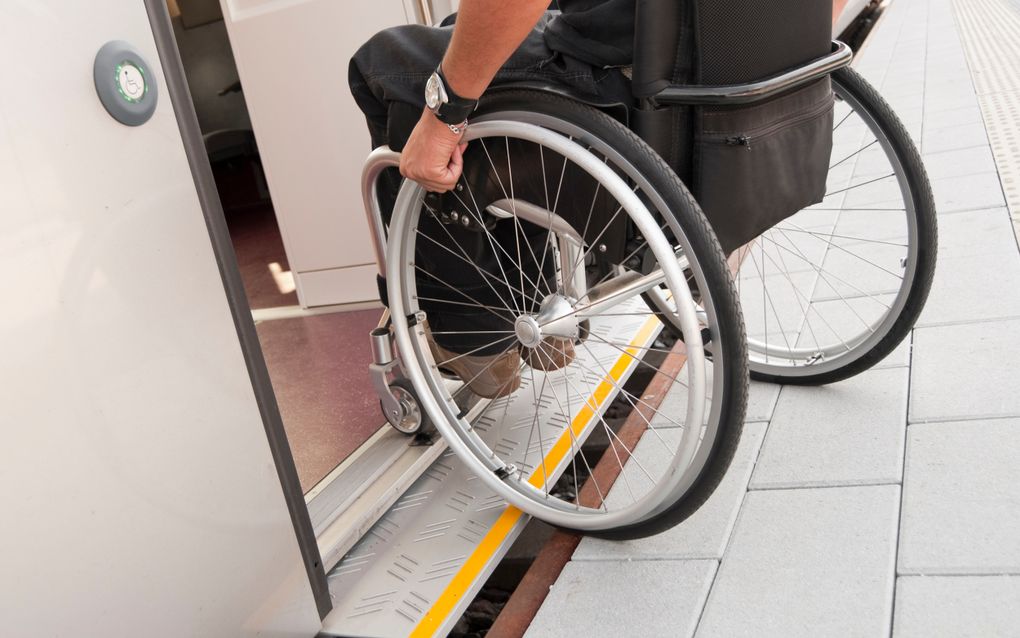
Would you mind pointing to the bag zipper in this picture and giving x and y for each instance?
(740, 140)
(745, 139)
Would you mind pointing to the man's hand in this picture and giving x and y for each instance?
(433, 155)
(485, 35)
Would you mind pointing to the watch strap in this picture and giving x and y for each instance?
(456, 109)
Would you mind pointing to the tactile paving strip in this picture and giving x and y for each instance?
(990, 30)
(389, 581)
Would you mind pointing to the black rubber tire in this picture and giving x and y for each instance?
(687, 214)
(927, 227)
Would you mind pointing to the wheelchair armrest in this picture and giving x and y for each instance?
(727, 94)
(617, 109)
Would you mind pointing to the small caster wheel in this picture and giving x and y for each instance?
(410, 419)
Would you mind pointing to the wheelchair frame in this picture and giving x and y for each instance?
(384, 367)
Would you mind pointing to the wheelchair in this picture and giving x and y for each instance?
(578, 219)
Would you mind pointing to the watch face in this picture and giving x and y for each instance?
(432, 92)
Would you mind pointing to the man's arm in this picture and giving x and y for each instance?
(486, 33)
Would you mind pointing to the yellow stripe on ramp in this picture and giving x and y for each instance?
(486, 549)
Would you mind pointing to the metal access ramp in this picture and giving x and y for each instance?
(418, 568)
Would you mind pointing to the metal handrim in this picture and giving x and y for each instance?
(445, 413)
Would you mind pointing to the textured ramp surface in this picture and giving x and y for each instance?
(419, 566)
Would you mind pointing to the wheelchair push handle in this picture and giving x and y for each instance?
(727, 94)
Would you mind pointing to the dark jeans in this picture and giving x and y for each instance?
(459, 269)
(387, 75)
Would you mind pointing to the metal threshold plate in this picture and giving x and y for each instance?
(418, 568)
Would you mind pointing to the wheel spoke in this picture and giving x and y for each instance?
(536, 423)
(851, 253)
(607, 377)
(854, 154)
(492, 309)
(640, 361)
(870, 181)
(486, 275)
(862, 240)
(440, 364)
(598, 411)
(771, 303)
(493, 243)
(810, 307)
(630, 399)
(835, 128)
(806, 310)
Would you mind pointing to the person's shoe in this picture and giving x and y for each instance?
(488, 376)
(552, 354)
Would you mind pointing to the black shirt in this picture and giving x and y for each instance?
(599, 32)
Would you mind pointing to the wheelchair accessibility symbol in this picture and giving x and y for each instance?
(130, 82)
(124, 83)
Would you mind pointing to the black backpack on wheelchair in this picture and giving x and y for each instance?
(748, 165)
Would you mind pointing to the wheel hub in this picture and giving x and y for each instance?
(409, 419)
(555, 318)
(528, 331)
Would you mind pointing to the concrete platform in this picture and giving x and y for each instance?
(888, 503)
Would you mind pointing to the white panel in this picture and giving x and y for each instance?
(443, 8)
(139, 493)
(292, 57)
(355, 284)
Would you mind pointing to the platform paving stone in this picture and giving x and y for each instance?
(949, 82)
(761, 401)
(956, 90)
(625, 598)
(965, 287)
(705, 533)
(807, 562)
(903, 104)
(965, 371)
(959, 163)
(846, 433)
(895, 86)
(977, 606)
(974, 233)
(969, 192)
(965, 115)
(949, 102)
(961, 499)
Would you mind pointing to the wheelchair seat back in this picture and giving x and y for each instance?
(749, 166)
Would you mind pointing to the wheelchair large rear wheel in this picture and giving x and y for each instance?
(564, 221)
(832, 290)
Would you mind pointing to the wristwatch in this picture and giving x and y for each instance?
(450, 108)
